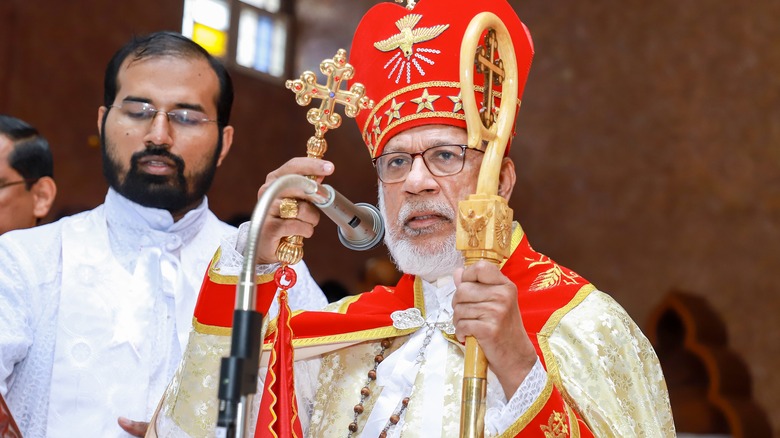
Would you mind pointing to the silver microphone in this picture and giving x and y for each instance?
(360, 225)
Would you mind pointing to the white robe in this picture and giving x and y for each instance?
(95, 311)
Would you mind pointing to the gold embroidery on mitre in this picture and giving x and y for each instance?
(405, 41)
(394, 112)
(377, 121)
(552, 276)
(458, 103)
(425, 101)
(372, 140)
(408, 36)
(556, 426)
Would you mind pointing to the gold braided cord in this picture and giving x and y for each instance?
(428, 115)
(432, 84)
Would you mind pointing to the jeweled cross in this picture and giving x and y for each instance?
(336, 70)
(324, 118)
(493, 71)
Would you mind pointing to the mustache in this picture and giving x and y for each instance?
(437, 207)
(157, 152)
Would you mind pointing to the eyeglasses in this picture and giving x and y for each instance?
(14, 183)
(143, 112)
(442, 160)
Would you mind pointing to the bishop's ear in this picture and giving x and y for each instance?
(507, 178)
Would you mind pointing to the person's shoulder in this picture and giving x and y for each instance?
(600, 308)
(41, 234)
(42, 238)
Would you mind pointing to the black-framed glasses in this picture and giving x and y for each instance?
(144, 112)
(441, 160)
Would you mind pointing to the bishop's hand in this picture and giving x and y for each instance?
(485, 307)
(277, 227)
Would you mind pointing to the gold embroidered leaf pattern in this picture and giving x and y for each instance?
(556, 426)
(551, 277)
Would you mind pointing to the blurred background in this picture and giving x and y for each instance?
(647, 150)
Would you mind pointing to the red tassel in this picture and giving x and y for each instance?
(8, 428)
(278, 416)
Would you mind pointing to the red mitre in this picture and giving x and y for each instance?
(418, 83)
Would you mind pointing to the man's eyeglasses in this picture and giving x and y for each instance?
(15, 183)
(442, 160)
(143, 112)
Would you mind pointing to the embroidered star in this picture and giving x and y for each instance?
(425, 101)
(457, 101)
(394, 111)
(377, 121)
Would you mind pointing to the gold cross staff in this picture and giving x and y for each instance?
(336, 70)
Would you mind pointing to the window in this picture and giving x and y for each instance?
(251, 34)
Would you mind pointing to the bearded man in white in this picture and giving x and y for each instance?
(96, 309)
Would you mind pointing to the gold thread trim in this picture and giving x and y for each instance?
(396, 93)
(553, 371)
(419, 297)
(531, 412)
(517, 237)
(574, 425)
(210, 329)
(364, 335)
(347, 302)
(428, 115)
(218, 278)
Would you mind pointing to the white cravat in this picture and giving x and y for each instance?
(397, 373)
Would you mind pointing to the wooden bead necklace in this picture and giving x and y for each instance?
(365, 392)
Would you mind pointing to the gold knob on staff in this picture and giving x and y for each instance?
(485, 219)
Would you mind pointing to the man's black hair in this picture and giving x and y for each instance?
(30, 156)
(166, 43)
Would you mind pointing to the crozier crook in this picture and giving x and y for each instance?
(485, 219)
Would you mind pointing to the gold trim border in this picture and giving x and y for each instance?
(531, 413)
(543, 337)
(218, 278)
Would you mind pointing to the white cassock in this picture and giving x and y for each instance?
(96, 309)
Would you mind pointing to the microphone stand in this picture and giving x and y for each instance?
(238, 372)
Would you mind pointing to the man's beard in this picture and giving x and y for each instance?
(428, 260)
(173, 193)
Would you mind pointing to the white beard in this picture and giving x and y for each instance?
(429, 261)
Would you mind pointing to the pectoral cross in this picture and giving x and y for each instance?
(336, 70)
(493, 71)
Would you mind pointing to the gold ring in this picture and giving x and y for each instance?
(288, 209)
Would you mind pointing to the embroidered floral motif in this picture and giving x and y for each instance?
(552, 276)
(556, 426)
